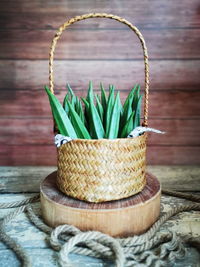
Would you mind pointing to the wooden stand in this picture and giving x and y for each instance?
(125, 217)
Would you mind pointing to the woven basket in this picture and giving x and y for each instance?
(104, 169)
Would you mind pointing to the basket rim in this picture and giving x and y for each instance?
(104, 140)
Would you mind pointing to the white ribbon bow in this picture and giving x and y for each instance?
(140, 130)
(61, 139)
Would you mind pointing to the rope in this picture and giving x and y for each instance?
(12, 244)
(181, 195)
(20, 202)
(152, 248)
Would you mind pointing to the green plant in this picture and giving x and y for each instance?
(102, 116)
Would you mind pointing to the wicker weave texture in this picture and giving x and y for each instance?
(102, 170)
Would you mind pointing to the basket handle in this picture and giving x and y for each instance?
(110, 16)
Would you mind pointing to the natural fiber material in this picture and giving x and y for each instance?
(108, 16)
(150, 249)
(102, 170)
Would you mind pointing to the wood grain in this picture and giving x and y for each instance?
(141, 210)
(179, 13)
(28, 155)
(45, 155)
(165, 104)
(23, 179)
(164, 74)
(17, 179)
(95, 44)
(180, 178)
(173, 155)
(99, 50)
(39, 131)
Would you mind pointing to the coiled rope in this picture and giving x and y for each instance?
(152, 247)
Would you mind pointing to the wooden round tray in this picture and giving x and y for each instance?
(125, 217)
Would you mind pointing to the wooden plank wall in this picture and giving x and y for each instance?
(99, 50)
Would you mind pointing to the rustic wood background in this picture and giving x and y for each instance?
(99, 50)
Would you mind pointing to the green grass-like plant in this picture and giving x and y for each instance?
(96, 116)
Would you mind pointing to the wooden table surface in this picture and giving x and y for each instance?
(17, 183)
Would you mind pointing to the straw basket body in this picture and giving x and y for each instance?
(102, 170)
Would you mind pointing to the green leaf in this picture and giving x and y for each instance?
(128, 127)
(130, 105)
(136, 122)
(73, 97)
(79, 126)
(136, 97)
(131, 94)
(86, 112)
(89, 122)
(85, 102)
(97, 96)
(99, 107)
(114, 120)
(111, 87)
(81, 113)
(127, 111)
(62, 121)
(90, 98)
(138, 91)
(76, 106)
(103, 97)
(90, 94)
(65, 105)
(120, 107)
(109, 109)
(79, 109)
(104, 104)
(87, 107)
(70, 90)
(95, 124)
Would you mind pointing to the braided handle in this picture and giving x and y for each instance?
(110, 16)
